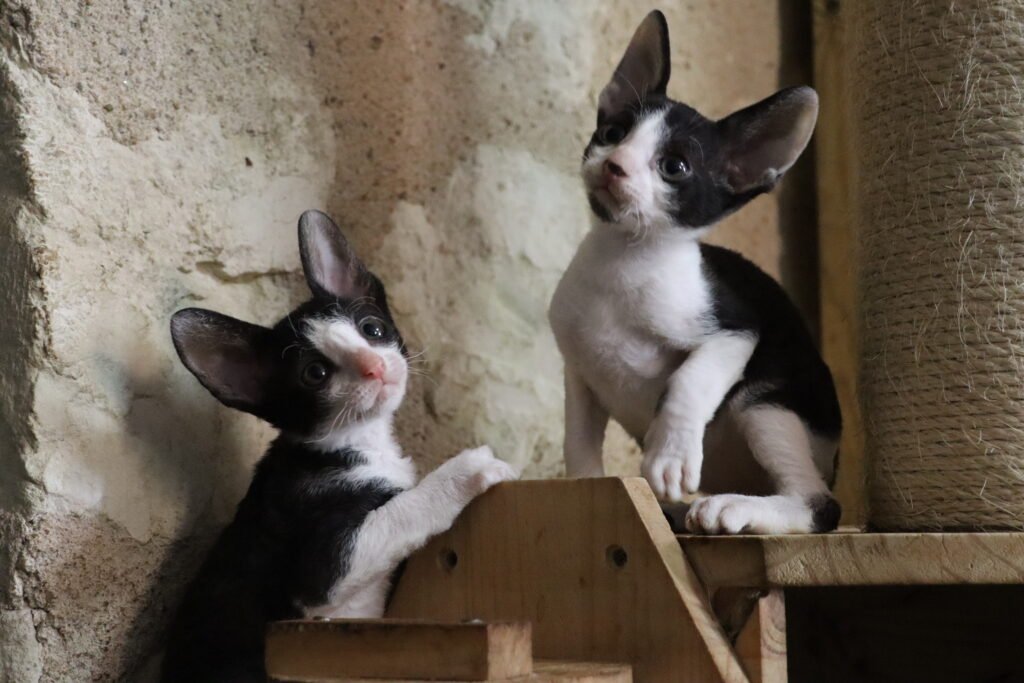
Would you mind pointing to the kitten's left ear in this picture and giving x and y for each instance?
(331, 266)
(644, 69)
(761, 142)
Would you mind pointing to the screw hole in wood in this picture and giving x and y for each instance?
(617, 556)
(448, 559)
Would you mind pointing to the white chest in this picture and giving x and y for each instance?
(625, 315)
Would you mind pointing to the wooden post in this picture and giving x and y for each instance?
(761, 645)
(836, 164)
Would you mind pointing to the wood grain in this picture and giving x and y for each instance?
(857, 559)
(761, 645)
(544, 671)
(398, 649)
(592, 564)
(837, 240)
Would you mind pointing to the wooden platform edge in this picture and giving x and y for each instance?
(857, 559)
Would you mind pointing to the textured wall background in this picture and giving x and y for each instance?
(156, 155)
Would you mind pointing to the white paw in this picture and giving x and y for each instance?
(672, 461)
(475, 470)
(736, 514)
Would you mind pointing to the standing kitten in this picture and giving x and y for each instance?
(334, 506)
(691, 347)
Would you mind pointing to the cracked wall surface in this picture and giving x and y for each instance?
(156, 155)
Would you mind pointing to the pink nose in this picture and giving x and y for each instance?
(371, 366)
(613, 170)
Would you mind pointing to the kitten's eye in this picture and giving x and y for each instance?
(674, 168)
(611, 134)
(315, 373)
(373, 328)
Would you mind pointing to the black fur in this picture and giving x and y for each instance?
(826, 513)
(706, 195)
(786, 369)
(291, 534)
(283, 550)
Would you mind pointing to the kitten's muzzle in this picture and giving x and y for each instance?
(369, 364)
(613, 171)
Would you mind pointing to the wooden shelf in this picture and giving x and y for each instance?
(853, 558)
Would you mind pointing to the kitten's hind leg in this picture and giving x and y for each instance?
(799, 463)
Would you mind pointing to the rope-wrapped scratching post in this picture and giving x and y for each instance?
(939, 93)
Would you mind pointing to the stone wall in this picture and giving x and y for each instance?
(155, 155)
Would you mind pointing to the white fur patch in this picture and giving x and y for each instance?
(640, 202)
(792, 455)
(674, 442)
(336, 338)
(356, 400)
(404, 524)
(375, 440)
(626, 314)
(731, 513)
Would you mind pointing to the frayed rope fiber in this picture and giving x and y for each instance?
(938, 88)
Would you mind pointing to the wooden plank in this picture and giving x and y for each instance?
(857, 559)
(592, 564)
(761, 645)
(544, 671)
(837, 246)
(580, 672)
(398, 649)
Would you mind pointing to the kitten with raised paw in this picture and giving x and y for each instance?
(694, 350)
(334, 506)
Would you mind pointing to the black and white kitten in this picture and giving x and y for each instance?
(334, 506)
(696, 352)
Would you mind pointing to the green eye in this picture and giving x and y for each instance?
(373, 328)
(674, 168)
(315, 373)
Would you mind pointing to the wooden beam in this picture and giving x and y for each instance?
(394, 649)
(592, 564)
(761, 645)
(857, 559)
(837, 240)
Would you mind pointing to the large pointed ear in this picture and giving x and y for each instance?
(229, 357)
(644, 69)
(332, 268)
(761, 142)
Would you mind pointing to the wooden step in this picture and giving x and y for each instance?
(544, 671)
(398, 649)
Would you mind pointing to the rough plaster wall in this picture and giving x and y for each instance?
(155, 155)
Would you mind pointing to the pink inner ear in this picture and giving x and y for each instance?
(331, 270)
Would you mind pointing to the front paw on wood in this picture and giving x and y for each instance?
(477, 470)
(737, 514)
(672, 468)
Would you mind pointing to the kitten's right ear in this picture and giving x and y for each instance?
(644, 69)
(229, 357)
(332, 268)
